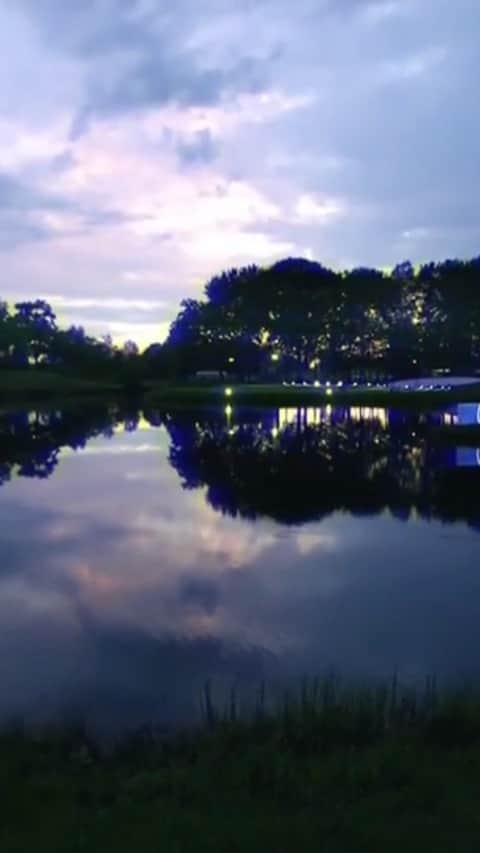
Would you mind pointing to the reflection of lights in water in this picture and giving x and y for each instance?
(228, 392)
(274, 432)
(274, 356)
(313, 417)
(369, 413)
(449, 419)
(328, 411)
(287, 416)
(228, 410)
(329, 392)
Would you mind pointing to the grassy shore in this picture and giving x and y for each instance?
(373, 771)
(25, 386)
(17, 384)
(283, 395)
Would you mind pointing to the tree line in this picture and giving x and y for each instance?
(30, 337)
(296, 318)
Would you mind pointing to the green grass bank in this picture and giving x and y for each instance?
(371, 771)
(283, 395)
(17, 384)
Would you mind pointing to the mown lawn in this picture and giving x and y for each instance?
(269, 395)
(38, 385)
(14, 381)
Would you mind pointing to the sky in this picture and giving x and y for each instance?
(147, 145)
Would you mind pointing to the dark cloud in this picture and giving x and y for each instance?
(200, 148)
(62, 162)
(15, 232)
(20, 205)
(160, 80)
(23, 205)
(139, 56)
(17, 196)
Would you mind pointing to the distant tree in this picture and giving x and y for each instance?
(36, 326)
(403, 271)
(130, 349)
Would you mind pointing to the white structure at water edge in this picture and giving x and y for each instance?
(433, 383)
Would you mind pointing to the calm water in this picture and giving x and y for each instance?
(144, 553)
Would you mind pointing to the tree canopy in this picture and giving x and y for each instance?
(298, 316)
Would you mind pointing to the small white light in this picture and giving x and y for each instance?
(327, 384)
(231, 359)
(228, 410)
(316, 383)
(339, 384)
(329, 392)
(228, 392)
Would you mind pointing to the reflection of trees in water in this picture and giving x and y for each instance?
(304, 471)
(30, 441)
(290, 465)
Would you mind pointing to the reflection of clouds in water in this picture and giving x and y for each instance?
(115, 573)
(308, 541)
(117, 449)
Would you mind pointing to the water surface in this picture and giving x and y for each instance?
(144, 553)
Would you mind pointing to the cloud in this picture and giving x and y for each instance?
(23, 212)
(209, 134)
(200, 148)
(309, 210)
(14, 195)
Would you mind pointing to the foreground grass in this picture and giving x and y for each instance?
(372, 772)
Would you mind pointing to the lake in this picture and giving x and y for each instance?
(143, 554)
